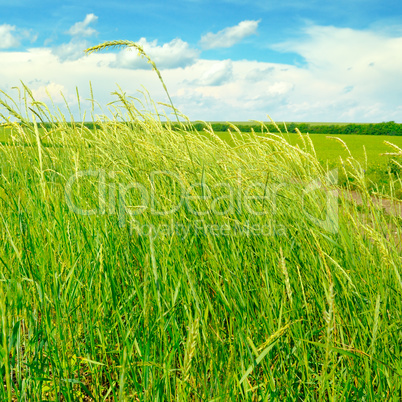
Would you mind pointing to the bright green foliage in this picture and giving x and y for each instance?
(389, 128)
(117, 305)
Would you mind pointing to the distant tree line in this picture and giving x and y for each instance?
(386, 128)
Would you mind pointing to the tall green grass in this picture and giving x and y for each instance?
(142, 262)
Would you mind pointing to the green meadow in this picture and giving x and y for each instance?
(378, 155)
(370, 150)
(141, 261)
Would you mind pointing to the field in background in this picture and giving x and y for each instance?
(369, 151)
(330, 150)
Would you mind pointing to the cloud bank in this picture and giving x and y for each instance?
(174, 54)
(359, 82)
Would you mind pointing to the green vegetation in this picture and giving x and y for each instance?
(379, 156)
(387, 128)
(380, 160)
(142, 262)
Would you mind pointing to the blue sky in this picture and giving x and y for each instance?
(221, 60)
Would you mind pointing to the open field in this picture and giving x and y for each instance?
(367, 149)
(381, 173)
(139, 262)
(330, 150)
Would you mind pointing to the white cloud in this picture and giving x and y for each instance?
(279, 88)
(328, 42)
(82, 28)
(72, 50)
(176, 53)
(367, 63)
(7, 37)
(11, 36)
(49, 91)
(244, 95)
(353, 53)
(229, 36)
(216, 74)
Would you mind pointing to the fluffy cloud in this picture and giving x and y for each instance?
(229, 36)
(327, 47)
(11, 36)
(82, 28)
(74, 49)
(49, 91)
(364, 71)
(7, 37)
(242, 93)
(174, 54)
(216, 74)
(43, 72)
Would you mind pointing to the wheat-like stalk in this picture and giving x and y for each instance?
(329, 315)
(375, 327)
(141, 53)
(286, 275)
(190, 348)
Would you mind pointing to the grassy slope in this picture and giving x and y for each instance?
(100, 305)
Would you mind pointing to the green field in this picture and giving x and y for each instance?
(330, 150)
(362, 148)
(367, 150)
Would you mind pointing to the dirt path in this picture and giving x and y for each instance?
(391, 207)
